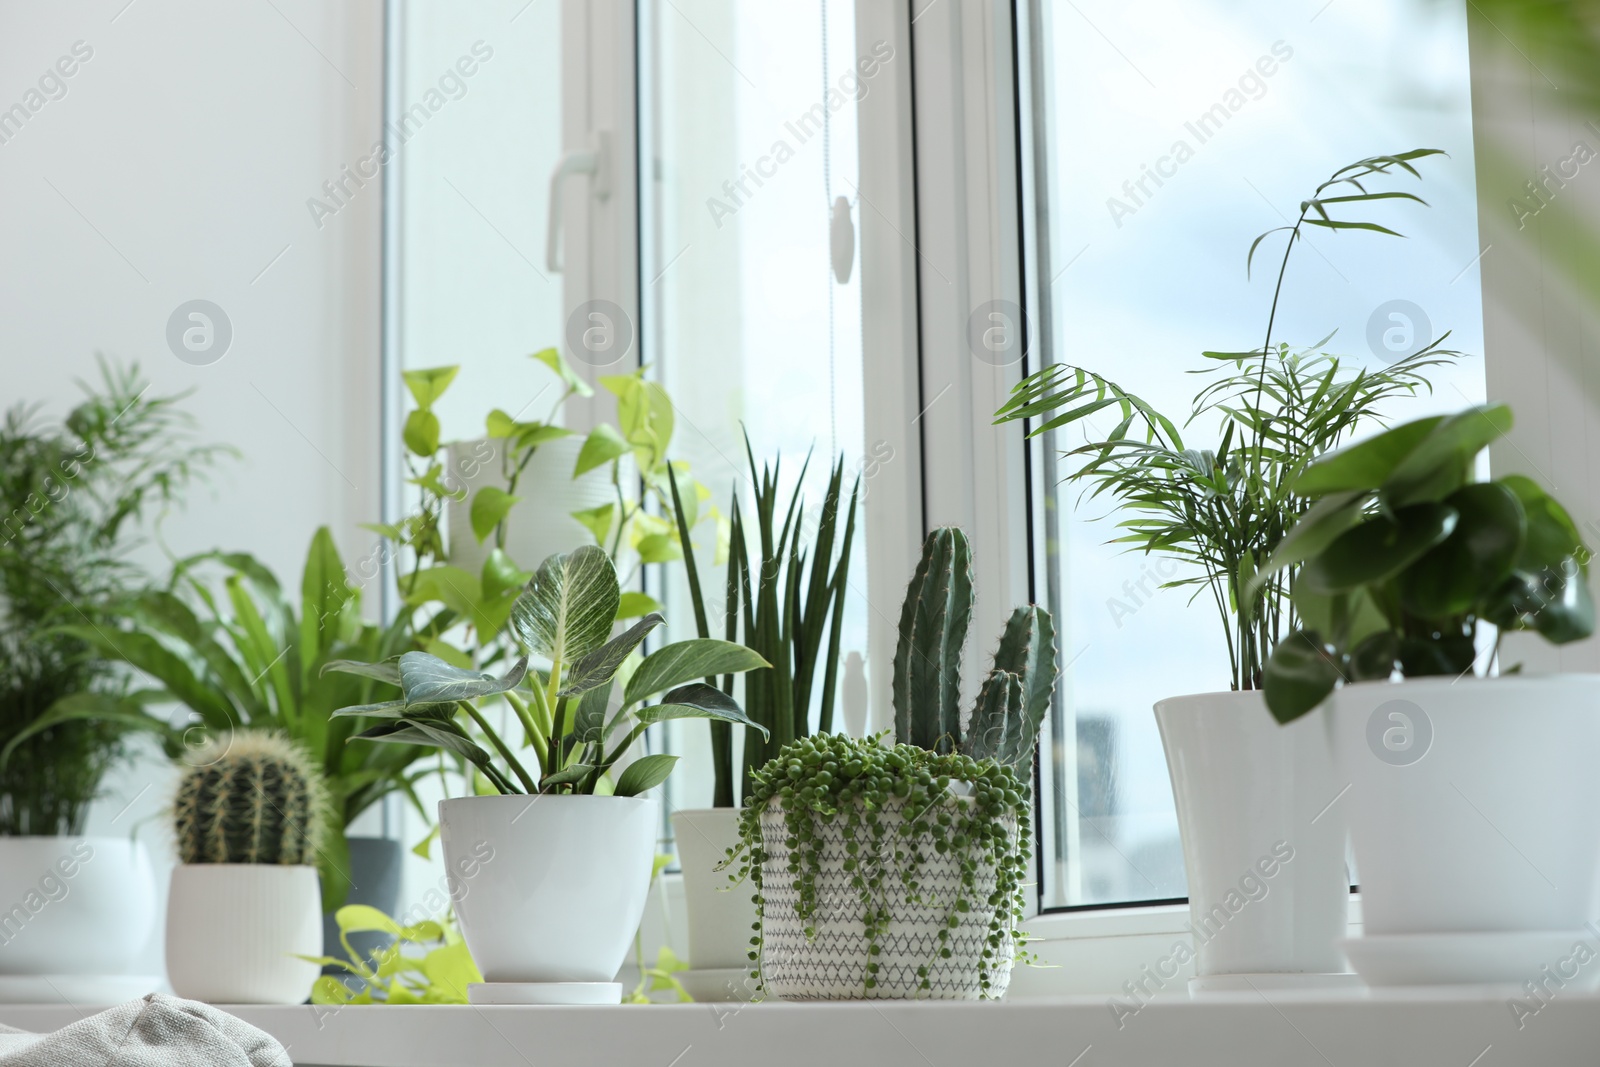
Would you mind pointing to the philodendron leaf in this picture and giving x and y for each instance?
(598, 666)
(398, 709)
(1378, 548)
(1363, 466)
(1299, 675)
(429, 384)
(432, 733)
(490, 506)
(700, 657)
(698, 701)
(361, 918)
(385, 671)
(589, 721)
(428, 679)
(646, 772)
(602, 446)
(634, 604)
(552, 358)
(421, 432)
(569, 606)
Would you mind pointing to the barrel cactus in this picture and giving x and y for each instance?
(1015, 694)
(252, 797)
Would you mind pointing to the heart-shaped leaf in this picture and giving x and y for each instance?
(1378, 548)
(490, 506)
(1299, 675)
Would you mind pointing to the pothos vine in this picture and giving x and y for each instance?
(894, 803)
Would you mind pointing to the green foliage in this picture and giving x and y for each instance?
(225, 641)
(1015, 694)
(250, 797)
(397, 974)
(566, 615)
(785, 610)
(1225, 511)
(73, 498)
(1404, 556)
(896, 805)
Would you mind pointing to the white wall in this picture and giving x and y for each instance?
(177, 166)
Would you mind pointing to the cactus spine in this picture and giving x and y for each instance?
(251, 797)
(1015, 694)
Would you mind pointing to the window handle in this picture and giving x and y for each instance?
(594, 161)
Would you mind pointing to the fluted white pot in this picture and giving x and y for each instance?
(721, 914)
(73, 905)
(1474, 804)
(562, 897)
(1263, 839)
(235, 932)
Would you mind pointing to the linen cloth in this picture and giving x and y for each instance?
(155, 1031)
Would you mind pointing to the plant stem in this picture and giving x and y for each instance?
(505, 753)
(529, 726)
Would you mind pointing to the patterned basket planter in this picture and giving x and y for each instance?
(832, 964)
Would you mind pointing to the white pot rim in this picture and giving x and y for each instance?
(244, 866)
(92, 838)
(1438, 681)
(1216, 694)
(548, 798)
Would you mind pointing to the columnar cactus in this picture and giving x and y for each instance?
(252, 797)
(1015, 694)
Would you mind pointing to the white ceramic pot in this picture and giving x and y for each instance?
(1472, 802)
(562, 892)
(540, 523)
(832, 965)
(235, 932)
(721, 914)
(73, 905)
(1263, 840)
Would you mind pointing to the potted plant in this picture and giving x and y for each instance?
(531, 488)
(1251, 797)
(899, 872)
(72, 499)
(249, 657)
(244, 904)
(574, 838)
(787, 601)
(1469, 794)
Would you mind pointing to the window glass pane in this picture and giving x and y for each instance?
(748, 118)
(1176, 131)
(475, 152)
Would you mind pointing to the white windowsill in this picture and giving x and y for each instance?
(1239, 1030)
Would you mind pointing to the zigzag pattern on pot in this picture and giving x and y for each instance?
(833, 964)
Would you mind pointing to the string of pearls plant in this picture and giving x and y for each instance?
(895, 804)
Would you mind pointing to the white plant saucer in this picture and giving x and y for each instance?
(1507, 958)
(1270, 982)
(544, 993)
